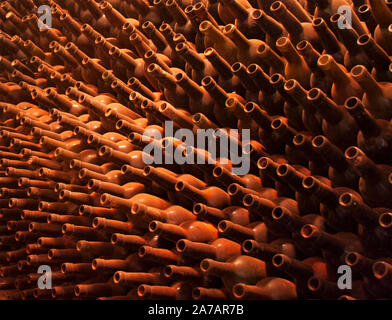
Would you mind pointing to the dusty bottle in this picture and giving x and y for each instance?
(221, 43)
(173, 215)
(243, 269)
(211, 196)
(269, 288)
(246, 48)
(220, 249)
(296, 66)
(297, 30)
(191, 230)
(179, 290)
(235, 214)
(334, 246)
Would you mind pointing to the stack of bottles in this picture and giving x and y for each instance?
(77, 194)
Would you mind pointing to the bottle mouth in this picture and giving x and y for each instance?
(205, 26)
(351, 259)
(308, 231)
(282, 169)
(380, 269)
(385, 220)
(308, 182)
(364, 39)
(302, 45)
(346, 199)
(277, 213)
(358, 71)
(317, 22)
(352, 153)
(278, 260)
(248, 246)
(314, 284)
(276, 6)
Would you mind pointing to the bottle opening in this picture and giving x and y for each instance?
(352, 152)
(277, 213)
(302, 45)
(386, 220)
(352, 103)
(314, 284)
(181, 245)
(307, 231)
(278, 260)
(346, 199)
(364, 39)
(282, 169)
(248, 246)
(223, 226)
(308, 182)
(352, 259)
(318, 141)
(248, 200)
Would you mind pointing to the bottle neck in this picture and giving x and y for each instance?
(320, 190)
(102, 186)
(368, 125)
(268, 24)
(219, 63)
(141, 7)
(326, 36)
(299, 270)
(365, 167)
(360, 211)
(190, 191)
(197, 249)
(147, 214)
(240, 71)
(310, 54)
(334, 70)
(349, 38)
(220, 269)
(260, 116)
(327, 107)
(71, 24)
(115, 17)
(322, 239)
(215, 91)
(261, 79)
(209, 213)
(190, 87)
(163, 177)
(291, 176)
(367, 82)
(330, 153)
(374, 52)
(177, 13)
(191, 56)
(237, 37)
(289, 21)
